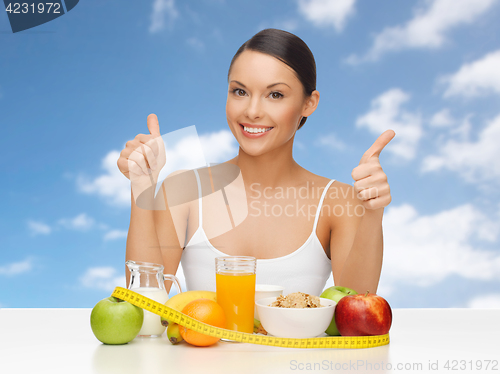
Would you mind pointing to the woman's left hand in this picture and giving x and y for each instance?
(370, 181)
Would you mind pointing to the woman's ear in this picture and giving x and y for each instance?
(311, 104)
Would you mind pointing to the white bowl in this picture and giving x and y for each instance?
(295, 322)
(266, 290)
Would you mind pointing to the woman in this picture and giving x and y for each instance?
(272, 91)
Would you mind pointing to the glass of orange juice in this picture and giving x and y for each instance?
(235, 282)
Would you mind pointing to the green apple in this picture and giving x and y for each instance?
(336, 293)
(115, 321)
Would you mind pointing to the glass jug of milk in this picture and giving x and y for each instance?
(147, 279)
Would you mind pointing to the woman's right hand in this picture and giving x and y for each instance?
(143, 158)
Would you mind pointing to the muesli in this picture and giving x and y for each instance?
(297, 300)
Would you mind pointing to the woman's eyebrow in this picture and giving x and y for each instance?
(275, 84)
(241, 84)
(271, 85)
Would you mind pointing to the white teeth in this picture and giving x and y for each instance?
(254, 130)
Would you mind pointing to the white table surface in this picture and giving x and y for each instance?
(52, 341)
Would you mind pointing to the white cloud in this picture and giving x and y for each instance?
(219, 146)
(102, 278)
(331, 141)
(475, 161)
(423, 250)
(477, 78)
(442, 118)
(184, 150)
(81, 222)
(326, 13)
(428, 29)
(162, 9)
(115, 234)
(16, 268)
(491, 301)
(196, 44)
(39, 228)
(386, 113)
(112, 185)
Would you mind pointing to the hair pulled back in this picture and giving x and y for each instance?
(289, 49)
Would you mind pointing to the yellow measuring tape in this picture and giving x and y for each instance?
(243, 337)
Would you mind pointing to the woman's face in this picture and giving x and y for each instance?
(265, 102)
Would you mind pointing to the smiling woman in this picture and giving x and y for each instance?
(288, 49)
(298, 239)
(266, 100)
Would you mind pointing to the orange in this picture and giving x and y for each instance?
(206, 311)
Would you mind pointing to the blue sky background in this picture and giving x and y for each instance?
(74, 90)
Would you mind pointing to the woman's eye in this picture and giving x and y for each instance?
(276, 95)
(239, 92)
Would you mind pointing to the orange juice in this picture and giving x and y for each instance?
(236, 296)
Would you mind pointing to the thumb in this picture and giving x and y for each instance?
(378, 145)
(153, 125)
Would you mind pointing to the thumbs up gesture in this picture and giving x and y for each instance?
(143, 158)
(370, 181)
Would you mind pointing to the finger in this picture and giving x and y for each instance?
(150, 141)
(138, 158)
(374, 192)
(363, 184)
(126, 152)
(134, 169)
(368, 194)
(153, 125)
(143, 144)
(130, 147)
(150, 157)
(153, 144)
(377, 203)
(123, 166)
(361, 171)
(378, 145)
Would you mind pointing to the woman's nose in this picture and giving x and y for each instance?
(254, 109)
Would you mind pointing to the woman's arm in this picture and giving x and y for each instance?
(152, 236)
(170, 235)
(363, 263)
(142, 241)
(360, 263)
(355, 242)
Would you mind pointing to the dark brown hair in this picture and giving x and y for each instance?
(289, 49)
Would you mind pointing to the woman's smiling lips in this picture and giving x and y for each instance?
(254, 131)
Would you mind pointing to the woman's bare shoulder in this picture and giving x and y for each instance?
(319, 180)
(340, 197)
(307, 176)
(341, 191)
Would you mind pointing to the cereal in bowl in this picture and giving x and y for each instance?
(297, 300)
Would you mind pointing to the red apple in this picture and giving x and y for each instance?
(361, 315)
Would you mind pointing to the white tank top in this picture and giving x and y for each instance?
(305, 270)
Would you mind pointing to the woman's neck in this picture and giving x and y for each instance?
(272, 169)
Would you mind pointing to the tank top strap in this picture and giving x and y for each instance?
(200, 195)
(320, 204)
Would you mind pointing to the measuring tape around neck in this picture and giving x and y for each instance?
(243, 337)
